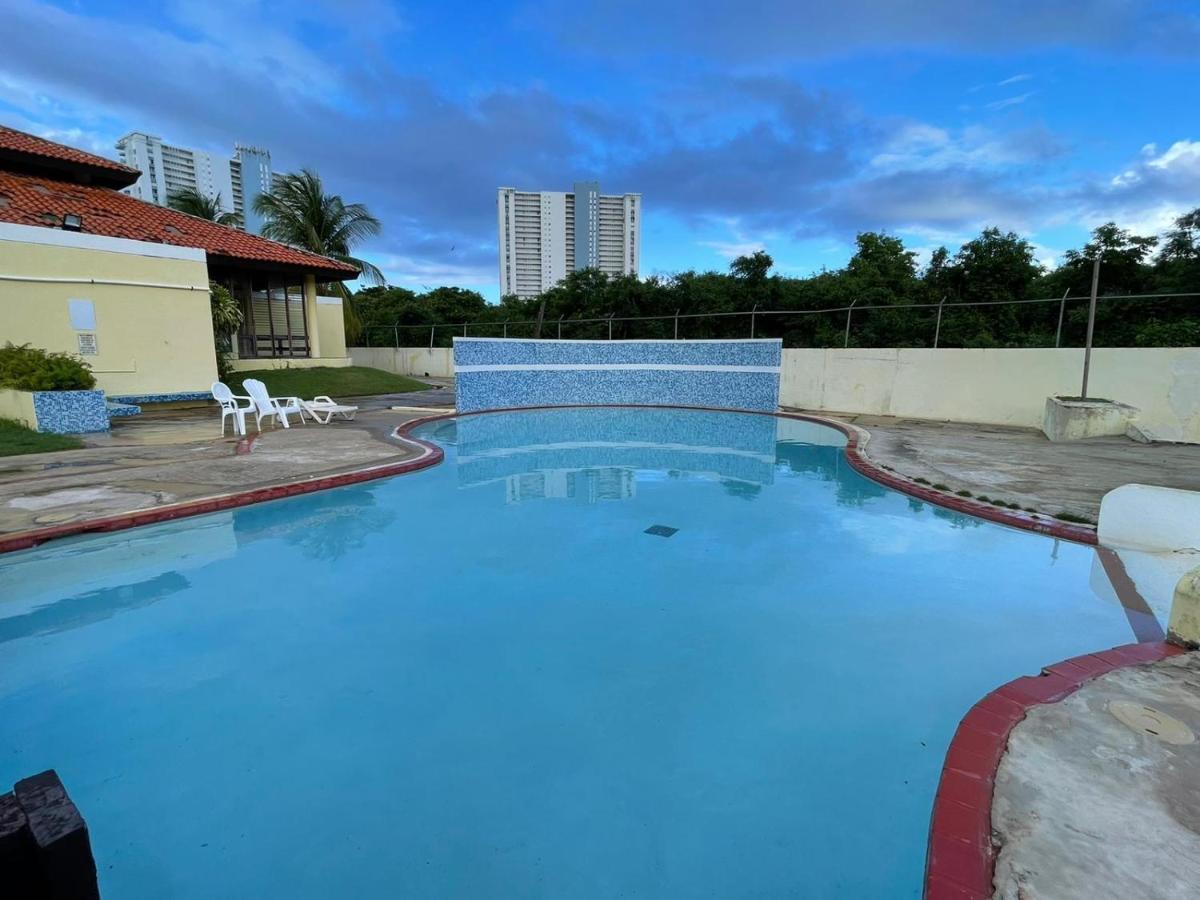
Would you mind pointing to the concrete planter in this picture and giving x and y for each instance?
(56, 412)
(1074, 420)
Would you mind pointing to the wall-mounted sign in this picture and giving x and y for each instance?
(87, 344)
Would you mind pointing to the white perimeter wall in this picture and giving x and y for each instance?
(1003, 387)
(414, 361)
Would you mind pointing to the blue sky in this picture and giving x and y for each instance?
(776, 124)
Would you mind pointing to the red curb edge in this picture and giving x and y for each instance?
(961, 859)
(24, 540)
(859, 461)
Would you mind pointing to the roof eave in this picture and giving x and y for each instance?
(334, 271)
(68, 170)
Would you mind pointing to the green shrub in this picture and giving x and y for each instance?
(25, 368)
(1065, 516)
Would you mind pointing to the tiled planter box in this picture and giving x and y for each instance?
(56, 412)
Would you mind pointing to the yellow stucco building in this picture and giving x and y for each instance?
(124, 284)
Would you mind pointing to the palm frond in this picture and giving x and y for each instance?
(202, 206)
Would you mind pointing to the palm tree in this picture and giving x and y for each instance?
(299, 212)
(194, 203)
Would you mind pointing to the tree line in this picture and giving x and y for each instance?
(895, 300)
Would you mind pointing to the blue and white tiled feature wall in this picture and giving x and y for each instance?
(70, 412)
(495, 373)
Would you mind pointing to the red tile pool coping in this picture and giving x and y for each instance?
(961, 860)
(432, 455)
(23, 540)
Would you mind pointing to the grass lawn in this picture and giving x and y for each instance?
(16, 439)
(351, 381)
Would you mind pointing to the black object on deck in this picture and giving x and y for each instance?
(45, 853)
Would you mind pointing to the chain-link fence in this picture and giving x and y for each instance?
(1049, 322)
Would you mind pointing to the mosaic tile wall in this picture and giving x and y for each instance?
(70, 412)
(493, 373)
(137, 399)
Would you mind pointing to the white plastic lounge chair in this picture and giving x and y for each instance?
(230, 407)
(266, 406)
(327, 407)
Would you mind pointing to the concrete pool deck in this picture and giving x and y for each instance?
(176, 456)
(1087, 806)
(1020, 465)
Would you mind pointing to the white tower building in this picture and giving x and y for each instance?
(544, 235)
(166, 170)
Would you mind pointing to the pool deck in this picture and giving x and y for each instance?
(1019, 465)
(176, 456)
(1086, 806)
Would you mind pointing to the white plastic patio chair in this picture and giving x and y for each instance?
(266, 406)
(324, 408)
(230, 407)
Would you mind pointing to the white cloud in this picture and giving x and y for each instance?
(1024, 76)
(740, 242)
(732, 249)
(1181, 156)
(409, 271)
(918, 146)
(1010, 101)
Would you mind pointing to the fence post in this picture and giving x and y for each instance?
(1062, 306)
(676, 324)
(610, 318)
(849, 312)
(560, 318)
(752, 312)
(464, 329)
(396, 336)
(937, 332)
(431, 330)
(506, 328)
(1087, 348)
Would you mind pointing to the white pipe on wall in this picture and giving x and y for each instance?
(103, 281)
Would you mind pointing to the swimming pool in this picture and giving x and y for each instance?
(594, 653)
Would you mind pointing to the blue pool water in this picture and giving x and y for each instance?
(485, 680)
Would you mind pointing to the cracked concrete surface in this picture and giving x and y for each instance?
(172, 456)
(1086, 807)
(1020, 465)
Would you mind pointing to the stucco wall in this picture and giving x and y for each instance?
(416, 361)
(1007, 387)
(289, 362)
(330, 326)
(18, 405)
(153, 337)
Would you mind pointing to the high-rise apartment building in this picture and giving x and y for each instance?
(546, 234)
(166, 170)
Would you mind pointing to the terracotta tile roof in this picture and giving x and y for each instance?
(33, 200)
(32, 150)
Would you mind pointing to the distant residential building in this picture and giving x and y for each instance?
(544, 235)
(166, 170)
